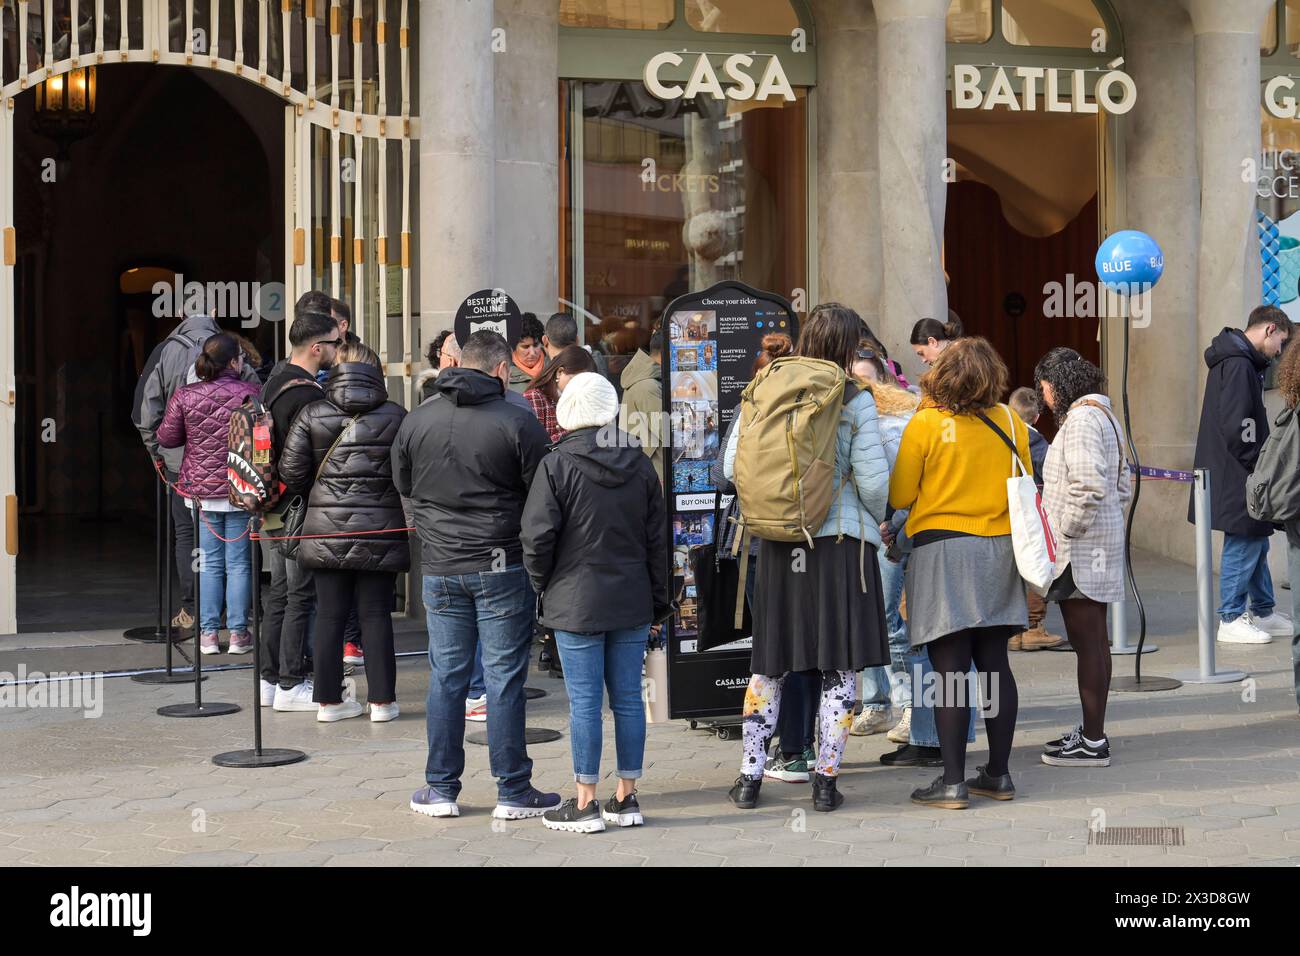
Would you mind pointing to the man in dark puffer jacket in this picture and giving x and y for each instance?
(466, 459)
(338, 453)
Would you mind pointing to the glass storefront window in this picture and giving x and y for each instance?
(1063, 23)
(616, 14)
(970, 21)
(1292, 27)
(769, 17)
(1268, 34)
(676, 196)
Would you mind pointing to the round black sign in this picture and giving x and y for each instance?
(492, 310)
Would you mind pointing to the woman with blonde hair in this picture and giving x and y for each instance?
(965, 597)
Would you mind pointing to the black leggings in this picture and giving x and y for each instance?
(1085, 626)
(371, 593)
(951, 656)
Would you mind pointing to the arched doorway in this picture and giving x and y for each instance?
(339, 82)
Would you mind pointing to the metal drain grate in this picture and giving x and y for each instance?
(1136, 836)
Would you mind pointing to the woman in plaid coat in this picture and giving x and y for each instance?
(1086, 488)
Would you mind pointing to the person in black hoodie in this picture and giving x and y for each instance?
(338, 454)
(466, 458)
(596, 549)
(1232, 431)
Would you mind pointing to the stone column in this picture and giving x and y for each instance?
(527, 153)
(1227, 131)
(912, 130)
(848, 163)
(457, 153)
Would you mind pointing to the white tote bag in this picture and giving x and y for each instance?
(1031, 532)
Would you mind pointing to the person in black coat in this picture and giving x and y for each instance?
(595, 541)
(1233, 428)
(337, 454)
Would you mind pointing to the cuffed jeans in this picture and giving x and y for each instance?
(492, 610)
(881, 686)
(592, 662)
(226, 577)
(1243, 572)
(290, 601)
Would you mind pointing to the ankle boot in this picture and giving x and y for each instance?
(744, 794)
(825, 797)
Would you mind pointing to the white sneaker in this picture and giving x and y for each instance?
(872, 720)
(476, 709)
(903, 729)
(1275, 625)
(329, 713)
(1242, 631)
(268, 688)
(382, 713)
(296, 698)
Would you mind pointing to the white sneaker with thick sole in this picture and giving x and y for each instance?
(1275, 625)
(382, 713)
(295, 699)
(1241, 631)
(329, 713)
(268, 689)
(872, 720)
(476, 709)
(903, 729)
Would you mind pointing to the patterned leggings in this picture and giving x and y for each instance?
(763, 705)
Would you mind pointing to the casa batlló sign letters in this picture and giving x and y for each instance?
(1064, 91)
(1278, 99)
(738, 69)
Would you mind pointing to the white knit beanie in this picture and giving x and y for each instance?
(588, 401)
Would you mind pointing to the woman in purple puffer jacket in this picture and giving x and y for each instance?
(198, 417)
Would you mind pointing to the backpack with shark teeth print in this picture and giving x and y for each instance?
(252, 482)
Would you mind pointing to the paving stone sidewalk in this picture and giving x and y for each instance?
(1222, 762)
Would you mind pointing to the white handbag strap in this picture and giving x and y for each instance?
(1018, 469)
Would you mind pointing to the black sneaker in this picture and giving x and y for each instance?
(1079, 754)
(744, 793)
(623, 813)
(1069, 737)
(987, 785)
(944, 796)
(568, 817)
(910, 755)
(825, 797)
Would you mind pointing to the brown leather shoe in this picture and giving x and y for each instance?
(1017, 643)
(1037, 639)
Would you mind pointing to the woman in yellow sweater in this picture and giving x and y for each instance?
(965, 597)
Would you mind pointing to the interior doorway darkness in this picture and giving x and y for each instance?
(1021, 216)
(183, 170)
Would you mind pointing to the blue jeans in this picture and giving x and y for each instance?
(880, 687)
(1243, 572)
(476, 686)
(491, 611)
(923, 732)
(226, 578)
(593, 661)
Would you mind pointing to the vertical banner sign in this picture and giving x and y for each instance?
(711, 339)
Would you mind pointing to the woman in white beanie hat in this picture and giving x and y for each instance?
(596, 549)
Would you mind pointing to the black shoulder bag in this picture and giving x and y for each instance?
(717, 589)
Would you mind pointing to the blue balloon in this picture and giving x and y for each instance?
(1129, 262)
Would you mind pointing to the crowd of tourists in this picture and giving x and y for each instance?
(533, 485)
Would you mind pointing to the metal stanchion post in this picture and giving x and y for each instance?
(198, 708)
(167, 675)
(1205, 673)
(160, 631)
(1119, 631)
(257, 757)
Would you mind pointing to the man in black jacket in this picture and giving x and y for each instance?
(1232, 431)
(314, 339)
(466, 458)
